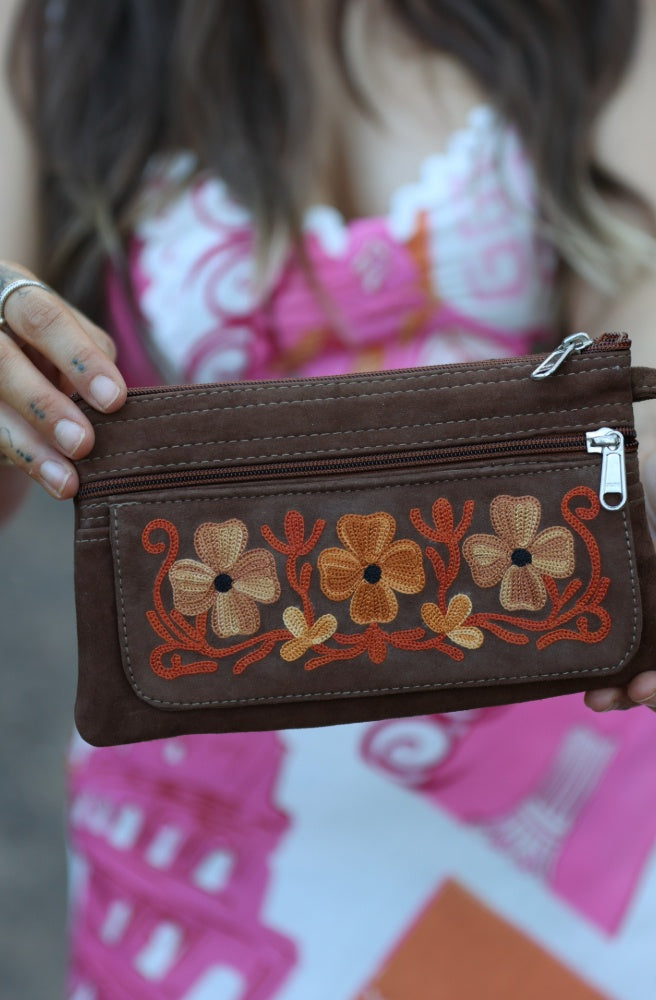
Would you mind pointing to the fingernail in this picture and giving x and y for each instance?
(648, 697)
(605, 704)
(103, 391)
(69, 435)
(55, 476)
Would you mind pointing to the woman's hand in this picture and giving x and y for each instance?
(642, 689)
(49, 350)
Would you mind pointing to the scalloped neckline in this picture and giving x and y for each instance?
(333, 228)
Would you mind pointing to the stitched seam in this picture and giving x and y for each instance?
(294, 383)
(301, 381)
(352, 430)
(120, 590)
(408, 687)
(310, 455)
(634, 591)
(384, 690)
(340, 399)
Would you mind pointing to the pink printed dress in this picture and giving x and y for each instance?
(507, 853)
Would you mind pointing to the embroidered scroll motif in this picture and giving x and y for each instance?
(228, 581)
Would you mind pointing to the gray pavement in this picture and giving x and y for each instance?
(37, 658)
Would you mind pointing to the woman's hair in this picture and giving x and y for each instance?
(108, 85)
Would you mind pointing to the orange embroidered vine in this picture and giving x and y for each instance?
(369, 567)
(295, 547)
(446, 533)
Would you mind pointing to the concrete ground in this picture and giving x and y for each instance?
(37, 674)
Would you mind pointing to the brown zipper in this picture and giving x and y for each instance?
(440, 455)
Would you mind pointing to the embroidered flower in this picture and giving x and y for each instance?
(305, 635)
(228, 579)
(371, 567)
(517, 557)
(454, 623)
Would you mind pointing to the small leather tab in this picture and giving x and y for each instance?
(643, 383)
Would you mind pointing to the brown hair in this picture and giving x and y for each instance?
(108, 85)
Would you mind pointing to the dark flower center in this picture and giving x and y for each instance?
(223, 583)
(521, 557)
(372, 573)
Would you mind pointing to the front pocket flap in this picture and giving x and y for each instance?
(364, 588)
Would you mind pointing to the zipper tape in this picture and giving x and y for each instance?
(217, 476)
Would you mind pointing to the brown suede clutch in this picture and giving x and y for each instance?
(305, 552)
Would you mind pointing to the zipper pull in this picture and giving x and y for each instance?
(610, 444)
(575, 342)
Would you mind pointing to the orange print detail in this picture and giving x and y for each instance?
(310, 344)
(509, 963)
(369, 360)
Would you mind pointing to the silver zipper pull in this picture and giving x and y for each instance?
(575, 342)
(610, 444)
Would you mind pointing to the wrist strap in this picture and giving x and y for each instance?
(643, 383)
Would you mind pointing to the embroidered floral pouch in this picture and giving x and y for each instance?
(316, 551)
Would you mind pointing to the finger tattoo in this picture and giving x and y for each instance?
(37, 411)
(6, 434)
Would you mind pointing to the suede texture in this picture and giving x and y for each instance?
(378, 445)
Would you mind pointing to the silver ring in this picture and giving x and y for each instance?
(13, 286)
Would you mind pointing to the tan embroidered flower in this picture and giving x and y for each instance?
(371, 567)
(454, 623)
(518, 557)
(228, 579)
(304, 635)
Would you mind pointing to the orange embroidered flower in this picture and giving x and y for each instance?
(228, 579)
(517, 557)
(305, 635)
(454, 623)
(371, 567)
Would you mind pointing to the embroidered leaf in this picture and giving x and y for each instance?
(465, 520)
